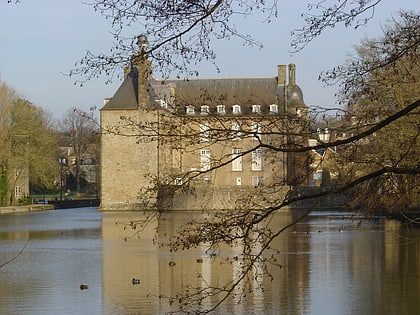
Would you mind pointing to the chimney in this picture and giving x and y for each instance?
(144, 68)
(292, 74)
(281, 74)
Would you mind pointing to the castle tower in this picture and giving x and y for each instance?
(129, 152)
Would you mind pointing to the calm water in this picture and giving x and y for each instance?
(331, 266)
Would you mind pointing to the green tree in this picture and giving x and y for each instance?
(7, 96)
(28, 145)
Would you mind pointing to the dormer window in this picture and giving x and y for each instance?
(205, 110)
(189, 110)
(221, 109)
(274, 108)
(256, 109)
(236, 109)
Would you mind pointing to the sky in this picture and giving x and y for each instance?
(40, 41)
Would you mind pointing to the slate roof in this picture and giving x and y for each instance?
(212, 92)
(223, 91)
(126, 95)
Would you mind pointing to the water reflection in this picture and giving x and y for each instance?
(64, 249)
(332, 263)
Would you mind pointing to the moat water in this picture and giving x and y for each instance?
(333, 263)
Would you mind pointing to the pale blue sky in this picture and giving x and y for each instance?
(40, 40)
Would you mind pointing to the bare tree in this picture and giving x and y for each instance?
(80, 130)
(380, 80)
(180, 33)
(324, 15)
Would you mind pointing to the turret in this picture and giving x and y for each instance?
(294, 95)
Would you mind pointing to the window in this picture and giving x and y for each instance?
(237, 160)
(236, 109)
(312, 142)
(176, 158)
(238, 181)
(256, 109)
(178, 181)
(205, 162)
(256, 164)
(325, 135)
(256, 130)
(18, 191)
(204, 133)
(236, 134)
(256, 181)
(221, 109)
(162, 103)
(205, 110)
(274, 108)
(189, 110)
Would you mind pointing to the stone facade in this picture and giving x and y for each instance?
(128, 167)
(200, 143)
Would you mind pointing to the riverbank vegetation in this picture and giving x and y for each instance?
(32, 146)
(383, 78)
(28, 147)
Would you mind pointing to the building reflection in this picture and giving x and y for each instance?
(330, 265)
(320, 265)
(124, 260)
(164, 274)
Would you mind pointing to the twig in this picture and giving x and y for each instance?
(17, 255)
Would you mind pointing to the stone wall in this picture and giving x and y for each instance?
(128, 161)
(203, 197)
(327, 202)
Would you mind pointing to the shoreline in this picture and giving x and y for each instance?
(27, 208)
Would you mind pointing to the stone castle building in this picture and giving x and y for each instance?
(199, 143)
